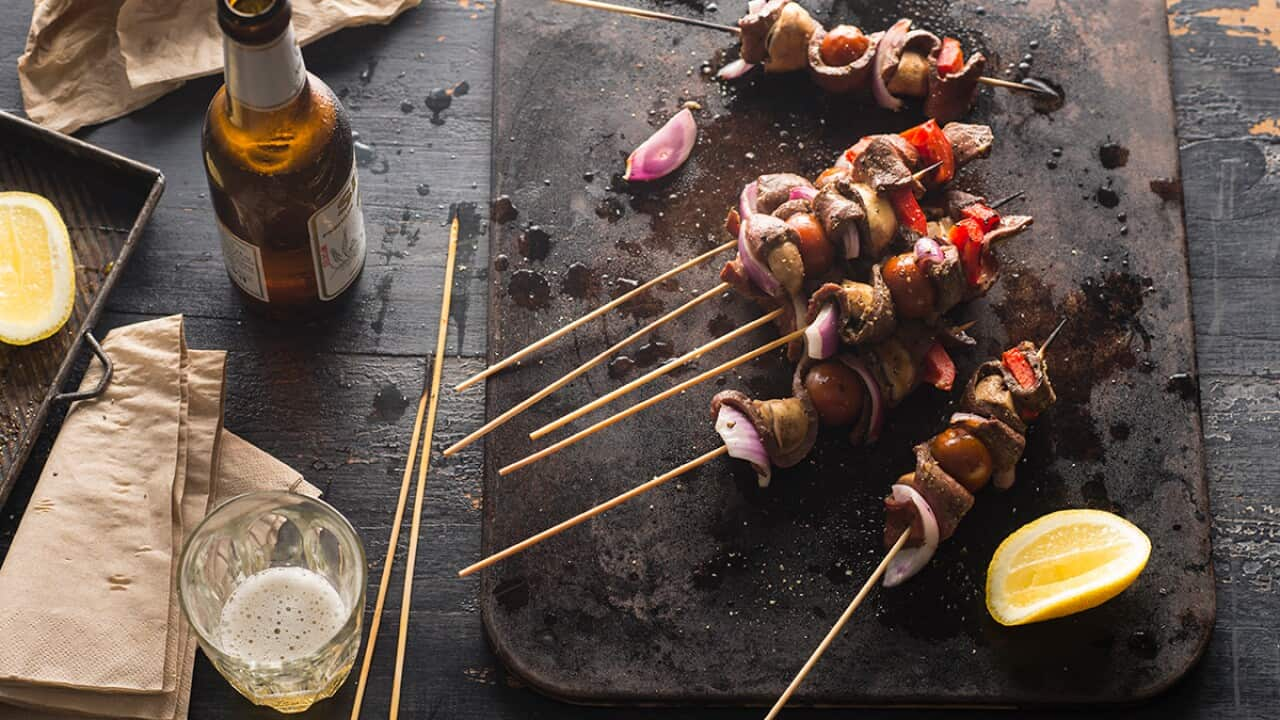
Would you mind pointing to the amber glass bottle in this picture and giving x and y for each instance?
(281, 167)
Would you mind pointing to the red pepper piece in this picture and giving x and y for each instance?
(907, 209)
(939, 369)
(987, 218)
(857, 149)
(950, 57)
(1017, 364)
(967, 236)
(934, 147)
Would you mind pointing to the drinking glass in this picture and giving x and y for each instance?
(300, 570)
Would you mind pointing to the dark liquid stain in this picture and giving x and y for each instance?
(641, 306)
(437, 101)
(501, 262)
(1168, 189)
(366, 75)
(1120, 431)
(610, 208)
(1050, 98)
(579, 281)
(384, 300)
(1096, 497)
(389, 403)
(1113, 155)
(424, 189)
(1143, 644)
(720, 325)
(652, 352)
(529, 289)
(503, 210)
(461, 89)
(365, 154)
(1076, 436)
(1106, 196)
(535, 243)
(406, 106)
(470, 226)
(1185, 385)
(620, 367)
(512, 594)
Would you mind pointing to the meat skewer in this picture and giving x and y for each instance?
(783, 37)
(1015, 389)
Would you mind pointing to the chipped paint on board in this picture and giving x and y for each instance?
(1267, 126)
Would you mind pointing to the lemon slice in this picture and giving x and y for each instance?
(1063, 563)
(37, 270)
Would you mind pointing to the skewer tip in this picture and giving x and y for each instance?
(1045, 345)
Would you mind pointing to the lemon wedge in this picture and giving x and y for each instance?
(37, 269)
(1063, 563)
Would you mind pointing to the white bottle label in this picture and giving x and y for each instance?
(244, 263)
(264, 77)
(337, 240)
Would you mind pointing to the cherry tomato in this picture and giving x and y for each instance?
(815, 250)
(843, 45)
(913, 294)
(963, 457)
(837, 392)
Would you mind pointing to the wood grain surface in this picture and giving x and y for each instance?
(327, 399)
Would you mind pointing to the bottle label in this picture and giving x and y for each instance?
(244, 263)
(264, 77)
(337, 240)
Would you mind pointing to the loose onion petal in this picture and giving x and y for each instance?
(852, 242)
(803, 192)
(759, 274)
(822, 336)
(928, 252)
(735, 69)
(910, 560)
(743, 442)
(747, 199)
(873, 390)
(891, 44)
(665, 150)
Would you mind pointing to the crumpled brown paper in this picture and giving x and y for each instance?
(71, 557)
(88, 61)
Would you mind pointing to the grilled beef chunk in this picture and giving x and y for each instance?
(788, 427)
(948, 278)
(947, 498)
(951, 95)
(968, 141)
(1003, 443)
(755, 30)
(1036, 399)
(774, 189)
(955, 201)
(791, 207)
(886, 164)
(866, 310)
(836, 210)
(843, 78)
(988, 395)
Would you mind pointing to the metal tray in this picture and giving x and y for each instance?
(105, 200)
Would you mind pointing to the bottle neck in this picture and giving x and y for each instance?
(262, 77)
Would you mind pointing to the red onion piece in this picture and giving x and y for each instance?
(759, 274)
(747, 200)
(928, 252)
(910, 560)
(743, 442)
(753, 6)
(665, 150)
(822, 336)
(852, 242)
(803, 192)
(966, 417)
(891, 44)
(735, 69)
(873, 390)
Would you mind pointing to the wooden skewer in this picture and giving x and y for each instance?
(652, 15)
(840, 623)
(597, 510)
(621, 299)
(654, 374)
(576, 372)
(424, 464)
(392, 544)
(675, 390)
(1045, 345)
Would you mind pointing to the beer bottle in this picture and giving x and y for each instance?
(279, 156)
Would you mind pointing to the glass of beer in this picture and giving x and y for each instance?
(273, 584)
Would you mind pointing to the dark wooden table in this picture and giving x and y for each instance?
(330, 398)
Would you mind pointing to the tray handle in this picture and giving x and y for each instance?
(107, 369)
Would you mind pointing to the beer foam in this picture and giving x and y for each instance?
(280, 614)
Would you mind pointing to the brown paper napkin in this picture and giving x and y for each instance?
(214, 464)
(88, 61)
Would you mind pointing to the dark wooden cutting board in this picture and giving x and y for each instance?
(710, 590)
